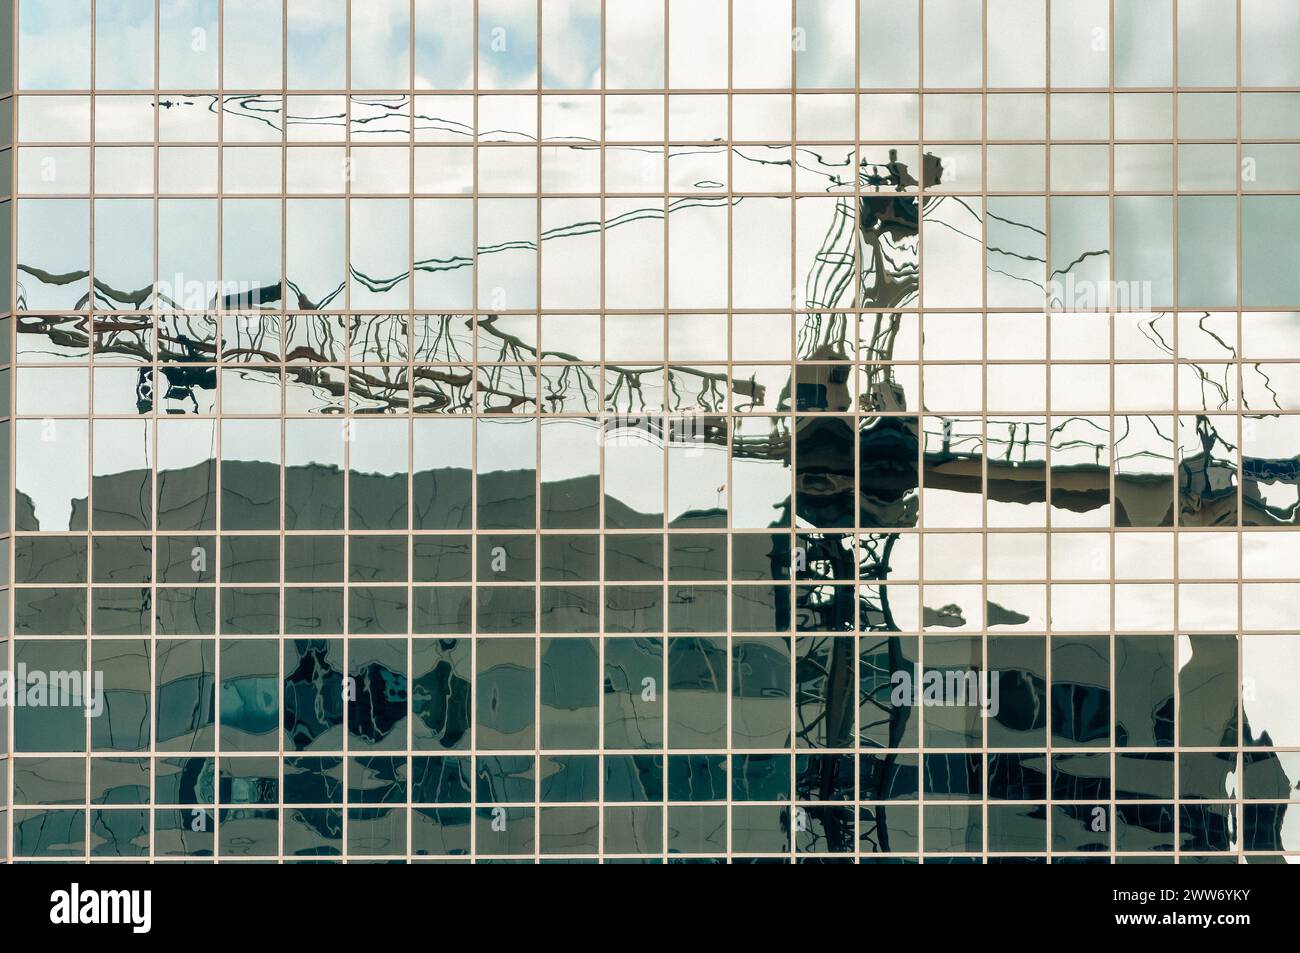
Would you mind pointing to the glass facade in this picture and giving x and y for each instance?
(650, 430)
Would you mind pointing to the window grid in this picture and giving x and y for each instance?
(926, 419)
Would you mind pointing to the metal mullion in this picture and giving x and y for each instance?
(729, 758)
(152, 641)
(218, 421)
(473, 426)
(665, 637)
(345, 743)
(921, 202)
(984, 427)
(1177, 451)
(281, 371)
(657, 90)
(1112, 810)
(90, 407)
(798, 814)
(11, 491)
(1239, 756)
(855, 252)
(1048, 453)
(410, 441)
(536, 424)
(602, 639)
